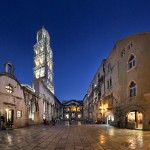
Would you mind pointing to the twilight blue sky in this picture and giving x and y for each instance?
(82, 32)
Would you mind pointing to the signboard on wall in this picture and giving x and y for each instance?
(19, 113)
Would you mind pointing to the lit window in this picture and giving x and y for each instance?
(42, 71)
(9, 88)
(131, 117)
(111, 118)
(19, 114)
(79, 108)
(132, 89)
(67, 116)
(73, 108)
(131, 62)
(79, 115)
(73, 115)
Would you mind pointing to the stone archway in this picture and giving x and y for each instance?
(109, 117)
(134, 117)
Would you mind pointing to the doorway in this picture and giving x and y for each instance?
(134, 120)
(110, 119)
(9, 115)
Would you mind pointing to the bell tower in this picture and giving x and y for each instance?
(43, 59)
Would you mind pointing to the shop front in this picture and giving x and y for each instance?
(134, 120)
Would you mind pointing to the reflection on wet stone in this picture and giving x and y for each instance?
(74, 137)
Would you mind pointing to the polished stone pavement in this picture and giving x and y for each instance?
(74, 137)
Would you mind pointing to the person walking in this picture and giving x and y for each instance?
(3, 122)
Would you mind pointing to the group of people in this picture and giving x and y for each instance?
(52, 122)
(3, 124)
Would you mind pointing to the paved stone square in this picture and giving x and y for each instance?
(74, 137)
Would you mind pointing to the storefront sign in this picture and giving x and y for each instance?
(19, 113)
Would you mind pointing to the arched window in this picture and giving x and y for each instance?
(132, 89)
(131, 62)
(9, 68)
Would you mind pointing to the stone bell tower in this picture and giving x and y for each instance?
(43, 59)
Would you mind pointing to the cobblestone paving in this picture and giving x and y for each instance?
(74, 137)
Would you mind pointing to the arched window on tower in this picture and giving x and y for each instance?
(131, 62)
(132, 89)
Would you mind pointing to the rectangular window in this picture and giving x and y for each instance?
(131, 117)
(67, 116)
(79, 115)
(73, 115)
(79, 108)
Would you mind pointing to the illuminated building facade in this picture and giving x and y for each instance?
(43, 59)
(72, 110)
(119, 93)
(43, 77)
(86, 108)
(18, 102)
(22, 104)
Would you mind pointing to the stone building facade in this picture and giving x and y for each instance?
(43, 77)
(32, 104)
(72, 110)
(16, 99)
(86, 108)
(119, 93)
(23, 104)
(43, 59)
(49, 105)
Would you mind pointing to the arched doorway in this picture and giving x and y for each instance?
(134, 120)
(109, 118)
